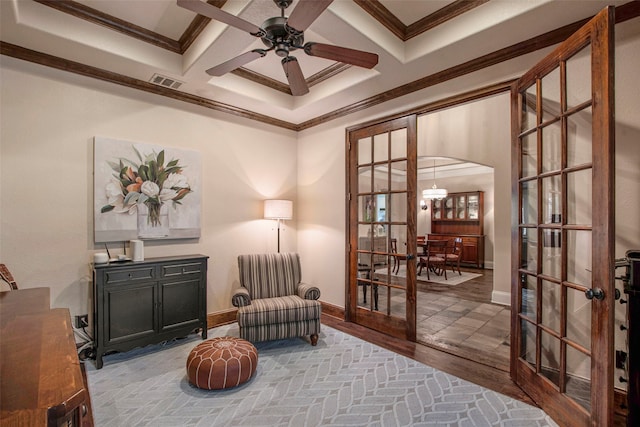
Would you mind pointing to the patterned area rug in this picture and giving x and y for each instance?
(453, 278)
(342, 381)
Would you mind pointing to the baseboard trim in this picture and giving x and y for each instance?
(220, 318)
(502, 298)
(332, 310)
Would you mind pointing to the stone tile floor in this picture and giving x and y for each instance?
(472, 329)
(469, 326)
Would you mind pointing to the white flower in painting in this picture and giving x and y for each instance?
(172, 185)
(176, 180)
(150, 189)
(116, 198)
(114, 191)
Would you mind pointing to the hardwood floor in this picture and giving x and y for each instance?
(478, 289)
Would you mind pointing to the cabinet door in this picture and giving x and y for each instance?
(472, 206)
(130, 312)
(436, 209)
(180, 303)
(469, 251)
(461, 207)
(449, 208)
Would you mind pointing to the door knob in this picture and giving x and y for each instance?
(596, 293)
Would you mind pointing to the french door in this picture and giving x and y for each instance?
(382, 177)
(563, 256)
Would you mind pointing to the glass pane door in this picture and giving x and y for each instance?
(563, 268)
(382, 227)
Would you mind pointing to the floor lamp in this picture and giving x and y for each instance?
(279, 210)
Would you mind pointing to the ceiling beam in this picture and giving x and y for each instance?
(19, 52)
(441, 16)
(89, 14)
(405, 32)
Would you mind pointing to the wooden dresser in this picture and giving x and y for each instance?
(43, 381)
(147, 302)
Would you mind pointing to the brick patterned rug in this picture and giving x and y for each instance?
(342, 381)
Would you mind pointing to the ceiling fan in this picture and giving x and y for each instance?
(283, 35)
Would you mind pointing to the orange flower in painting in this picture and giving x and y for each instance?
(135, 187)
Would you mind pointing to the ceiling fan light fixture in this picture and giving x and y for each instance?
(282, 50)
(283, 35)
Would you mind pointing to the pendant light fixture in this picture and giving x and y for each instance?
(434, 192)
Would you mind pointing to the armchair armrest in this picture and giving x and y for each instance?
(307, 291)
(241, 297)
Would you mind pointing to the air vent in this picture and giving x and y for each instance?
(159, 80)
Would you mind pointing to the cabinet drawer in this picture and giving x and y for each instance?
(127, 275)
(177, 270)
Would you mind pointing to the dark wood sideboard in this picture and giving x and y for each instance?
(147, 302)
(43, 382)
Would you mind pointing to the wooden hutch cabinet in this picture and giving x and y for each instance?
(461, 215)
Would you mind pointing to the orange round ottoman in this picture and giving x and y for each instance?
(221, 362)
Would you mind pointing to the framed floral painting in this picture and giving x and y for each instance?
(144, 191)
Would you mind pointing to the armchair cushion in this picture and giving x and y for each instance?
(286, 309)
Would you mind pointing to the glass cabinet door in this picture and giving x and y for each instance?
(472, 206)
(436, 209)
(448, 208)
(461, 207)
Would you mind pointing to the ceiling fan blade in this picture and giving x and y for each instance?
(236, 62)
(342, 54)
(218, 14)
(297, 83)
(305, 12)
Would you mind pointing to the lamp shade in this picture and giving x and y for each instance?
(278, 209)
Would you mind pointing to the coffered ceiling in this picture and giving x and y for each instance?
(157, 46)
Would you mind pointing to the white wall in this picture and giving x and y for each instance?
(49, 119)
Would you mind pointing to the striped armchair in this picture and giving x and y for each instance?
(272, 302)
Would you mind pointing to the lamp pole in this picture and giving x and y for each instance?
(278, 235)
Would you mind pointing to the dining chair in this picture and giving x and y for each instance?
(432, 261)
(421, 242)
(453, 255)
(396, 257)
